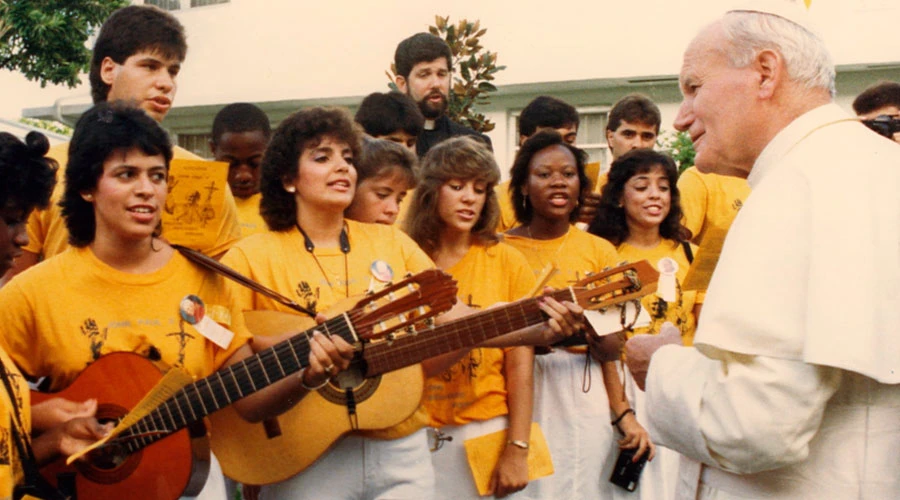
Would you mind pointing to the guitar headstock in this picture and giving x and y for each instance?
(403, 305)
(614, 286)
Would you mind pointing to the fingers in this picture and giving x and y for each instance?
(564, 318)
(328, 356)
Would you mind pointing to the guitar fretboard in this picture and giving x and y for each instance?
(197, 400)
(386, 356)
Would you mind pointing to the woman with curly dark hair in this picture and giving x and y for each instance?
(318, 258)
(639, 212)
(547, 187)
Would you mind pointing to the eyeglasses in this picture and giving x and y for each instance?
(885, 125)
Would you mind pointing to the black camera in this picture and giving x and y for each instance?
(885, 125)
(627, 473)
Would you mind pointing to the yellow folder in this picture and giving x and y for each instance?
(484, 452)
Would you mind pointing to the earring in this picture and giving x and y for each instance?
(525, 202)
(290, 189)
(89, 197)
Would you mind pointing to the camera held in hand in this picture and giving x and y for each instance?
(885, 125)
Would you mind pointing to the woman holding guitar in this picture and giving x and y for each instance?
(314, 255)
(120, 287)
(639, 212)
(453, 217)
(547, 185)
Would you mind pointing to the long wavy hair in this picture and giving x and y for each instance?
(611, 222)
(461, 158)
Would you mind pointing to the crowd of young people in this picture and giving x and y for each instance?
(326, 207)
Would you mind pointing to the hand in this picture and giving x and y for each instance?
(640, 348)
(604, 348)
(69, 438)
(511, 473)
(55, 412)
(636, 437)
(588, 209)
(328, 356)
(564, 318)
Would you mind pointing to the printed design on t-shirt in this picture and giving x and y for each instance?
(468, 366)
(305, 293)
(183, 339)
(471, 302)
(5, 442)
(90, 330)
(661, 311)
(738, 203)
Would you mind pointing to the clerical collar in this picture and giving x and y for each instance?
(429, 124)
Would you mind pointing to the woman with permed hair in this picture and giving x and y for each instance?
(547, 186)
(454, 217)
(26, 181)
(640, 213)
(119, 287)
(318, 258)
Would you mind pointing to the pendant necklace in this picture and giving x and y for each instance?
(345, 249)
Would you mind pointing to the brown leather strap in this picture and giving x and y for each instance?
(217, 267)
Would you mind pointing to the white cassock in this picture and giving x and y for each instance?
(791, 390)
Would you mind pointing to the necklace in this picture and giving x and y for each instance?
(345, 249)
(553, 259)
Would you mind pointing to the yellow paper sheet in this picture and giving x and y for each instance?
(171, 383)
(194, 207)
(705, 261)
(484, 452)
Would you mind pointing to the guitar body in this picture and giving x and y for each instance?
(163, 470)
(274, 450)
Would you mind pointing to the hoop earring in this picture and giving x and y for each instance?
(525, 202)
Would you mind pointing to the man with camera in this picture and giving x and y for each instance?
(879, 108)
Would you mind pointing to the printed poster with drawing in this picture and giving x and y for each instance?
(193, 211)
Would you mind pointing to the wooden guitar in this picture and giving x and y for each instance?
(127, 467)
(384, 385)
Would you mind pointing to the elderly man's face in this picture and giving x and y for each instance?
(717, 111)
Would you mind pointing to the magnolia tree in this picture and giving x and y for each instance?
(473, 70)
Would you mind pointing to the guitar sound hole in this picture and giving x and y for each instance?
(353, 379)
(111, 463)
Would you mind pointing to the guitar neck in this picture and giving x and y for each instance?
(227, 385)
(407, 350)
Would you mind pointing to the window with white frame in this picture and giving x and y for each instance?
(182, 4)
(591, 134)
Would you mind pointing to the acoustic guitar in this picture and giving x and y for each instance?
(128, 467)
(385, 383)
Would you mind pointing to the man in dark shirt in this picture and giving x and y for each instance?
(422, 62)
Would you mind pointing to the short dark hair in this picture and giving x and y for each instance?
(546, 111)
(130, 30)
(634, 108)
(878, 96)
(610, 222)
(26, 176)
(421, 47)
(240, 117)
(383, 114)
(380, 154)
(297, 132)
(461, 157)
(100, 132)
(521, 168)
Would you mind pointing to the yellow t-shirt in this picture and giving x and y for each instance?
(11, 472)
(248, 215)
(710, 200)
(279, 260)
(680, 312)
(474, 389)
(64, 313)
(576, 254)
(48, 235)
